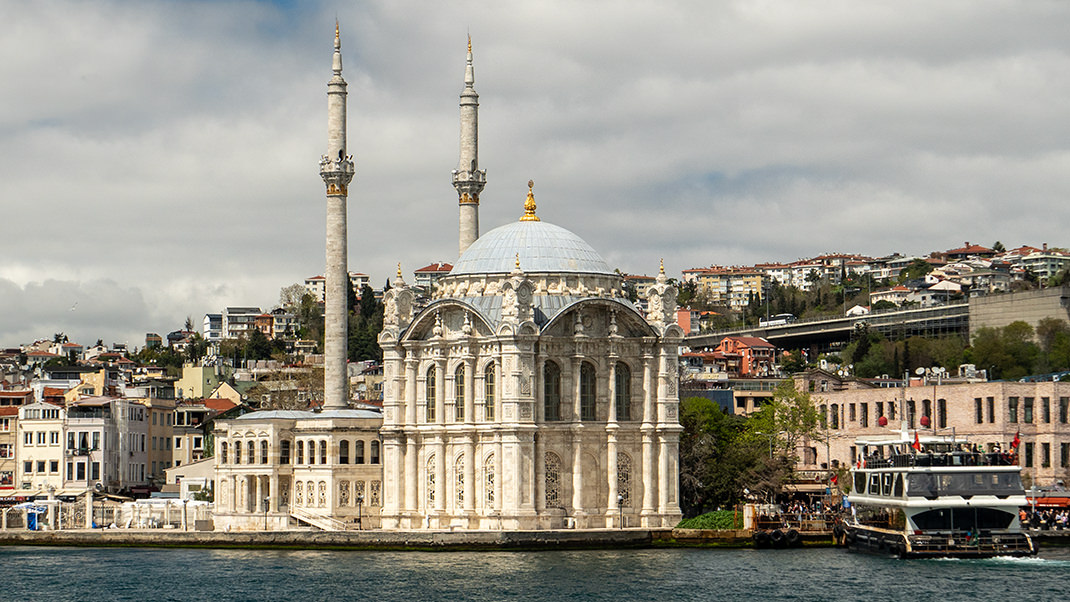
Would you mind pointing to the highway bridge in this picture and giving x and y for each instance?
(825, 334)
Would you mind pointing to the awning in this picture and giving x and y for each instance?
(1051, 502)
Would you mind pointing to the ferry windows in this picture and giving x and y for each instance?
(886, 483)
(1064, 409)
(284, 451)
(860, 482)
(1029, 448)
(623, 391)
(374, 452)
(1045, 455)
(551, 391)
(358, 452)
(941, 413)
(343, 452)
(488, 392)
(863, 416)
(874, 484)
(963, 519)
(587, 400)
(1012, 409)
(897, 490)
(458, 394)
(978, 410)
(1027, 409)
(300, 453)
(1045, 410)
(429, 394)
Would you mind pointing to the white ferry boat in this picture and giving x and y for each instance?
(934, 496)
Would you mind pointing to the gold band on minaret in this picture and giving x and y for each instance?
(529, 205)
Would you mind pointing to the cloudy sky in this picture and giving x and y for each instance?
(159, 159)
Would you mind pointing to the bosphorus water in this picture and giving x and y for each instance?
(62, 574)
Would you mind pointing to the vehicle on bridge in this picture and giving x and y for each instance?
(777, 320)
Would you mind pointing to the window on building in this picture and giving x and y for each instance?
(1029, 454)
(429, 394)
(237, 452)
(941, 413)
(358, 452)
(40, 437)
(284, 451)
(198, 443)
(53, 438)
(551, 391)
(1064, 455)
(79, 471)
(374, 447)
(1012, 409)
(851, 415)
(891, 411)
(300, 452)
(587, 391)
(991, 403)
(250, 452)
(978, 410)
(222, 452)
(836, 416)
(1045, 455)
(1027, 409)
(488, 392)
(1045, 410)
(53, 467)
(7, 450)
(863, 416)
(263, 452)
(94, 471)
(1064, 409)
(178, 443)
(41, 466)
(323, 452)
(880, 409)
(343, 452)
(912, 412)
(623, 392)
(27, 467)
(927, 409)
(458, 393)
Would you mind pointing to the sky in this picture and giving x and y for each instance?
(159, 159)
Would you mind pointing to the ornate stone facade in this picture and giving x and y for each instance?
(530, 393)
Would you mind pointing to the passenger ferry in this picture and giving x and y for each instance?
(934, 496)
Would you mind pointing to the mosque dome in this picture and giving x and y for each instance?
(539, 247)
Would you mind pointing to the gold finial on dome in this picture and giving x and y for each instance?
(518, 261)
(662, 269)
(399, 269)
(469, 43)
(529, 205)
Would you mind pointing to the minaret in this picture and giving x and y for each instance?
(468, 179)
(336, 169)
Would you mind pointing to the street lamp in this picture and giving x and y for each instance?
(620, 509)
(360, 503)
(267, 500)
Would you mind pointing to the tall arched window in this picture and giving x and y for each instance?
(250, 449)
(358, 448)
(623, 385)
(624, 479)
(263, 452)
(223, 452)
(458, 476)
(429, 394)
(587, 397)
(431, 481)
(553, 480)
(374, 453)
(488, 392)
(343, 452)
(323, 452)
(237, 452)
(551, 391)
(488, 481)
(458, 393)
(300, 453)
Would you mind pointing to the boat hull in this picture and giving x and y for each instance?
(894, 543)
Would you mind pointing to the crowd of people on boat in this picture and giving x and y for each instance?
(805, 515)
(1046, 519)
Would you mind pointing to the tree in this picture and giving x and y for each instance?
(189, 324)
(59, 337)
(917, 268)
(715, 457)
(998, 247)
(290, 296)
(789, 418)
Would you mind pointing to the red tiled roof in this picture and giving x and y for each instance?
(219, 404)
(435, 267)
(9, 411)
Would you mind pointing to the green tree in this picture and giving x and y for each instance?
(917, 268)
(786, 421)
(715, 457)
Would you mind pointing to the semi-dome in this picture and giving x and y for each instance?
(541, 247)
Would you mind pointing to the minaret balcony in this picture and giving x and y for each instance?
(478, 176)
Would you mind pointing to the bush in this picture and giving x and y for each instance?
(721, 520)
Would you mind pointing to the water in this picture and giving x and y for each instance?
(62, 574)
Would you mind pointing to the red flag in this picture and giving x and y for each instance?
(917, 443)
(1017, 440)
(833, 479)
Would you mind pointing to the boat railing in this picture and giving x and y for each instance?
(801, 521)
(1007, 542)
(940, 459)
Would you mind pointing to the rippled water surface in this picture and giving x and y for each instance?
(37, 573)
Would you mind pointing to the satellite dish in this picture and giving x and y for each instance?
(98, 487)
(919, 371)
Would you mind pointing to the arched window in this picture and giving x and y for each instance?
(624, 479)
(374, 452)
(587, 398)
(237, 452)
(553, 480)
(310, 491)
(300, 453)
(358, 452)
(343, 452)
(926, 409)
(458, 475)
(343, 492)
(431, 481)
(551, 391)
(623, 385)
(263, 452)
(429, 394)
(488, 392)
(458, 393)
(250, 449)
(323, 452)
(299, 493)
(222, 452)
